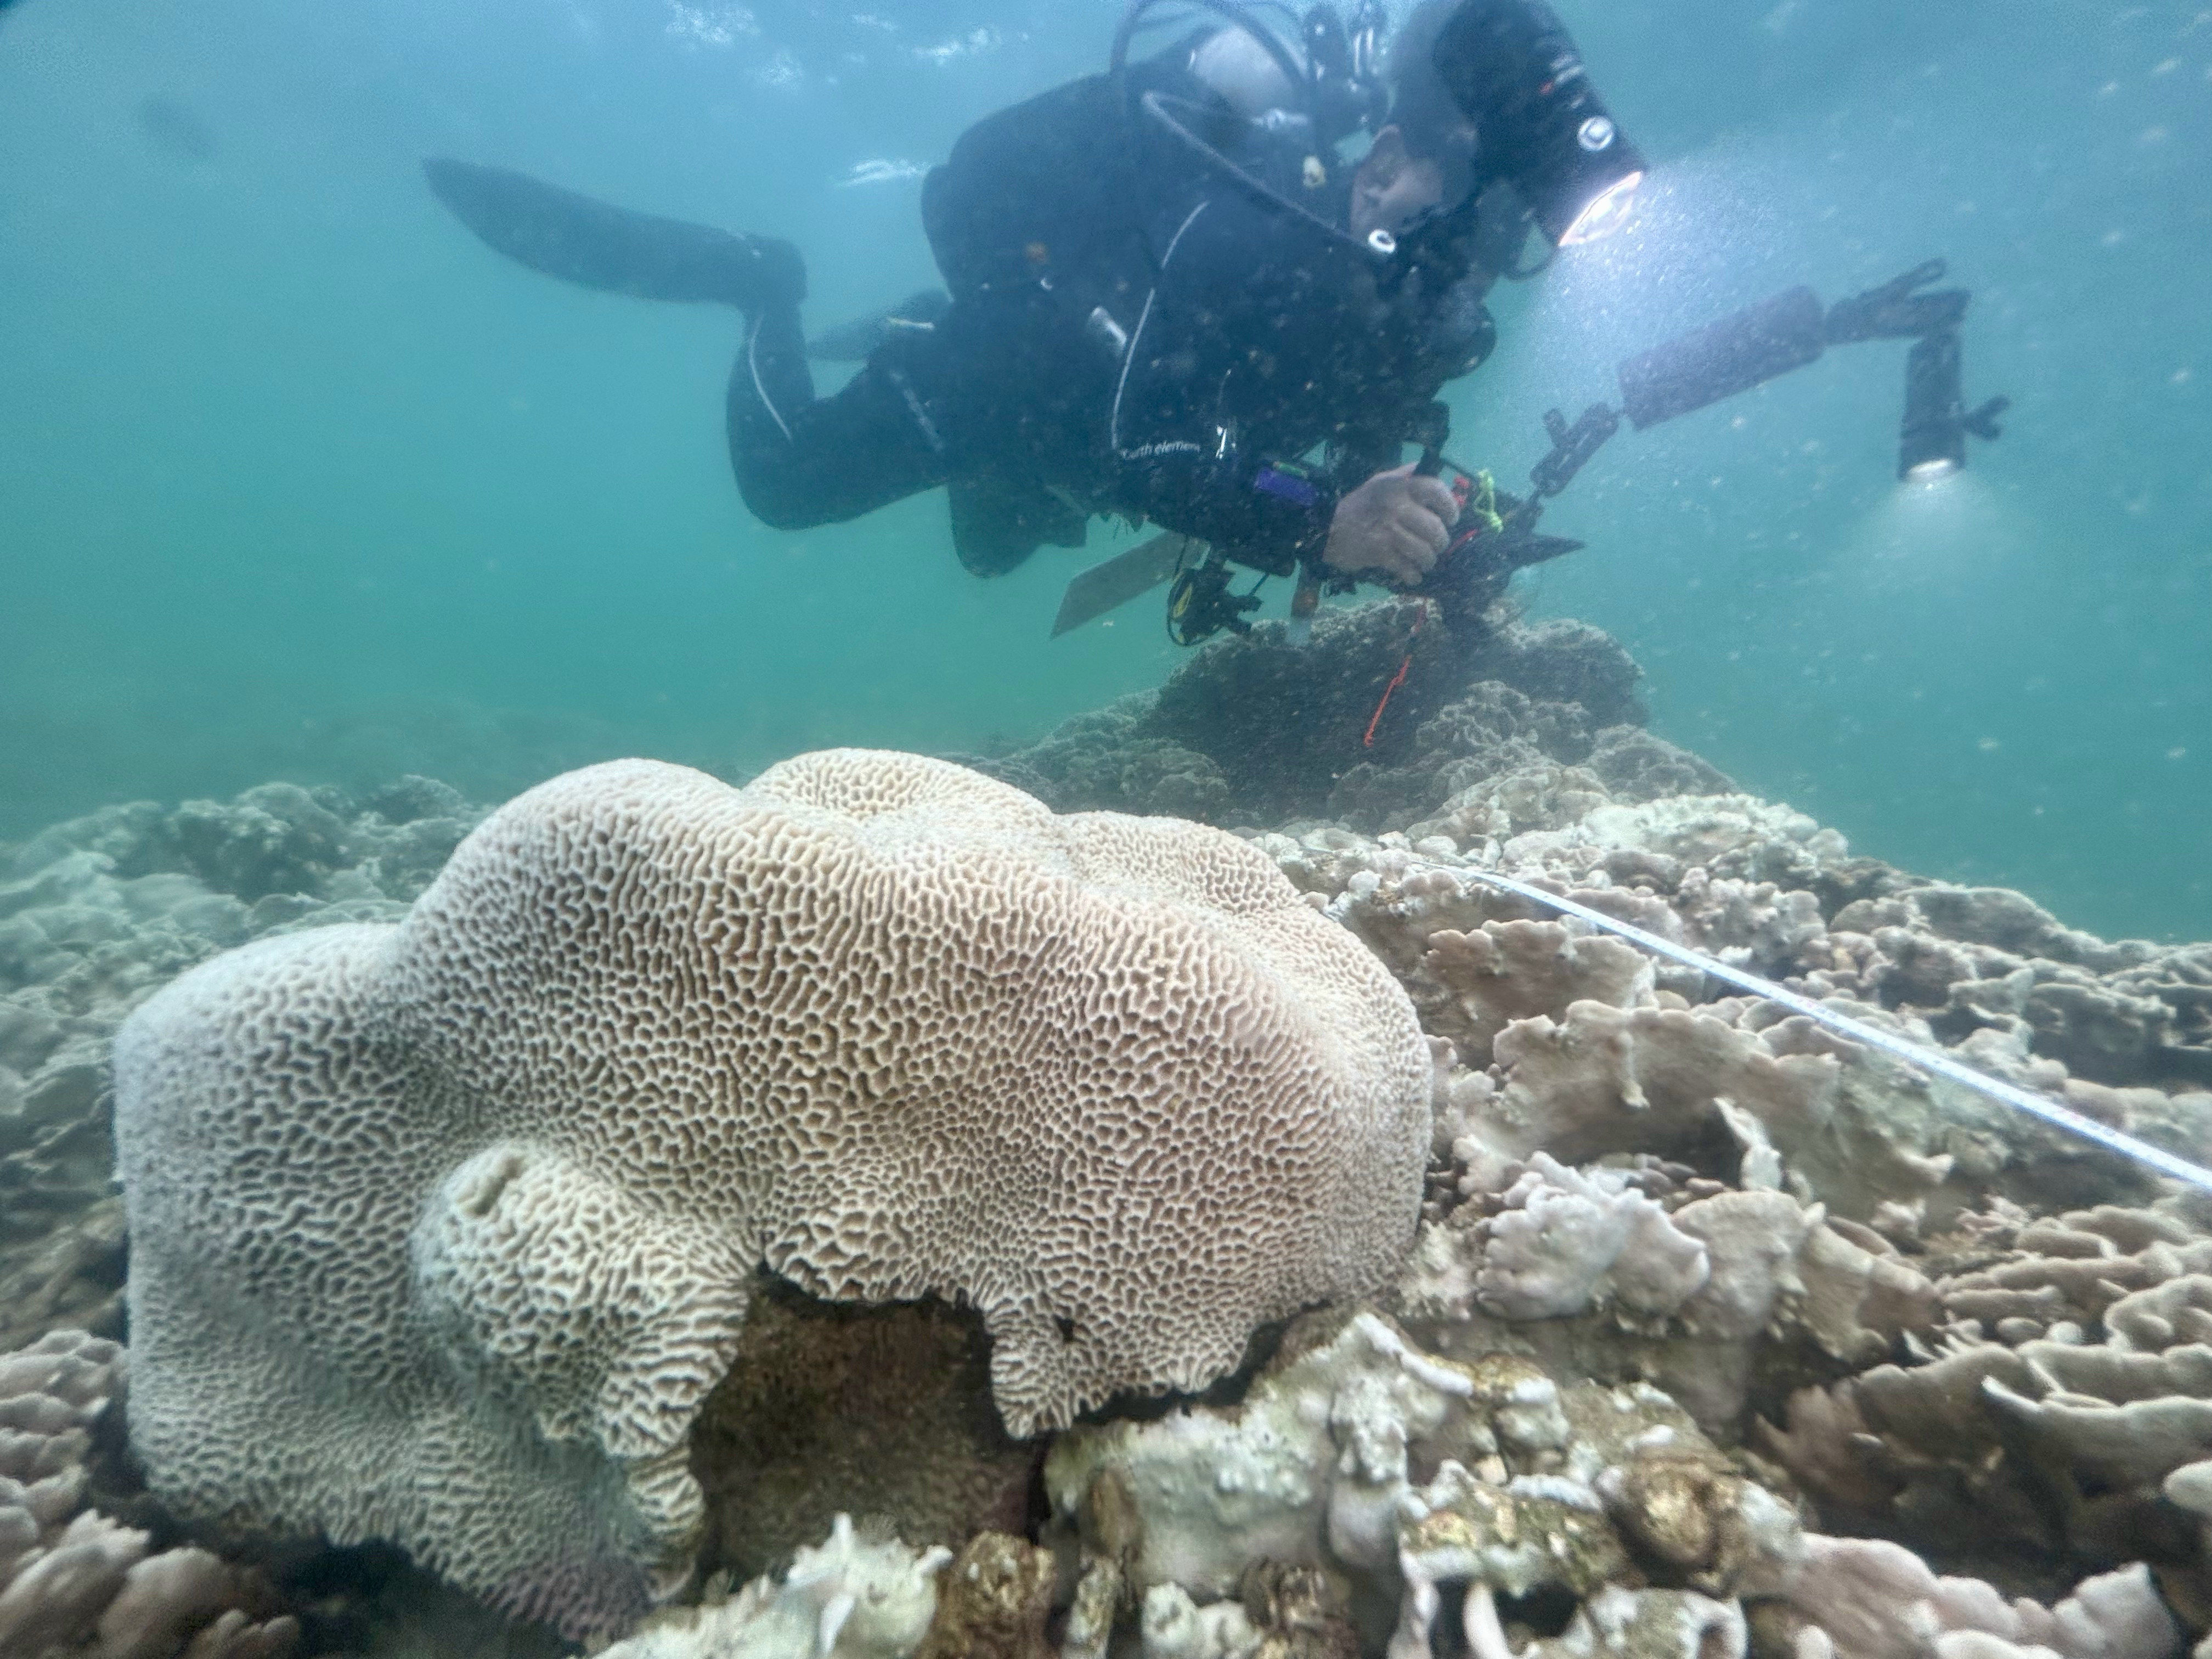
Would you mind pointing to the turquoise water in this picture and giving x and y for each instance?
(297, 480)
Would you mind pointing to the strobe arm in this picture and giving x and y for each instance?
(1791, 330)
(1747, 350)
(1723, 358)
(1896, 311)
(1571, 447)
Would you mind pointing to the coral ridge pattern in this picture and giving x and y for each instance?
(442, 1229)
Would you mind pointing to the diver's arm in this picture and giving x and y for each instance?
(1265, 514)
(1276, 515)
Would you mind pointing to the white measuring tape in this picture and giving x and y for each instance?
(1929, 1060)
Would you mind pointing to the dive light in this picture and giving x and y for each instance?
(1540, 123)
(1932, 442)
(1932, 437)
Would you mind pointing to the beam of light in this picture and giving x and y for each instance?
(1950, 525)
(1608, 211)
(1703, 238)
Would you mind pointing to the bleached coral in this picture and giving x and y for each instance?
(883, 1412)
(1313, 1465)
(1649, 1068)
(1508, 971)
(1601, 1280)
(464, 1275)
(1868, 1599)
(1176, 1627)
(842, 1599)
(2055, 1411)
(1991, 1338)
(1360, 1455)
(1563, 1241)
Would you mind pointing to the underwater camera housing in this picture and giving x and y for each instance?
(1540, 123)
(1752, 346)
(1747, 350)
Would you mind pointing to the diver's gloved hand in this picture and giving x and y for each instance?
(1394, 525)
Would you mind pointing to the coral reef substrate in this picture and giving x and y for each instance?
(1713, 1335)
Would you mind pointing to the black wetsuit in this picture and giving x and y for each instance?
(1134, 331)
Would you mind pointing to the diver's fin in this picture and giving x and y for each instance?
(849, 342)
(561, 234)
(1129, 572)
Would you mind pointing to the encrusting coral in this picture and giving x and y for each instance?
(464, 1274)
(884, 1411)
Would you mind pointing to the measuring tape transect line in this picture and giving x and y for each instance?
(1930, 1059)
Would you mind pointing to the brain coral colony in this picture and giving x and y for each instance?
(442, 1230)
(902, 1208)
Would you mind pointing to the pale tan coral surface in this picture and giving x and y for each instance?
(441, 1230)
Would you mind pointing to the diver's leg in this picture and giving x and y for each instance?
(801, 460)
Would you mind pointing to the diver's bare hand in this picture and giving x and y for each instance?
(1394, 525)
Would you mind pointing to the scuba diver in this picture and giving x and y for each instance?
(1169, 301)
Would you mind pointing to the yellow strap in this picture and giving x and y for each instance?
(1482, 500)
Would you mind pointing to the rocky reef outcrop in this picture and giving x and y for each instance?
(1380, 718)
